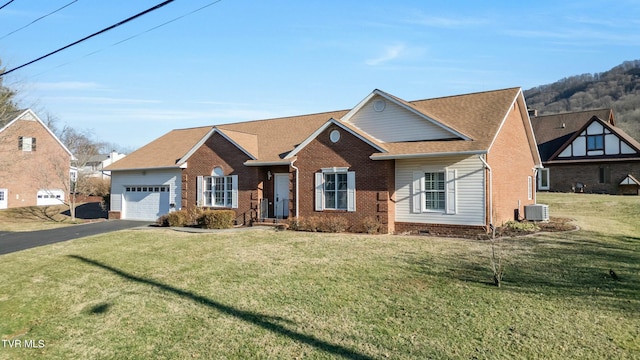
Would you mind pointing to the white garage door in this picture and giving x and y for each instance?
(50, 197)
(145, 202)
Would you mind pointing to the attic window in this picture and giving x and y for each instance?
(379, 105)
(26, 143)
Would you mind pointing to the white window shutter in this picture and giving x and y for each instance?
(418, 192)
(199, 191)
(450, 188)
(351, 191)
(234, 191)
(319, 192)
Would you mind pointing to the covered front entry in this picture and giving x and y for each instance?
(281, 196)
(145, 202)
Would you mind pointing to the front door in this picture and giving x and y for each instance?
(3, 198)
(281, 196)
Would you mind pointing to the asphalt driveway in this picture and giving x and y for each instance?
(17, 241)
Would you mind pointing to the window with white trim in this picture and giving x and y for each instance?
(217, 190)
(434, 190)
(335, 189)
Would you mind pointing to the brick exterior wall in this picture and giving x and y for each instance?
(219, 152)
(440, 230)
(563, 178)
(375, 185)
(512, 163)
(23, 173)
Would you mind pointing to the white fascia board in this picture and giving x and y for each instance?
(375, 92)
(204, 139)
(267, 163)
(324, 127)
(425, 155)
(149, 168)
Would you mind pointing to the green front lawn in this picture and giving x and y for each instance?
(266, 294)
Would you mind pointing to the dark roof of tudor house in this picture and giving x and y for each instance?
(553, 131)
(478, 116)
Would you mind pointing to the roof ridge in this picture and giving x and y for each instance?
(282, 118)
(576, 112)
(467, 94)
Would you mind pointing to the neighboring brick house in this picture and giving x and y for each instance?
(34, 164)
(451, 164)
(585, 152)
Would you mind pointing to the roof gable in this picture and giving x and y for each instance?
(234, 137)
(597, 139)
(29, 115)
(373, 143)
(387, 118)
(553, 131)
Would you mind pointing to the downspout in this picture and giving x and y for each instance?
(486, 165)
(297, 183)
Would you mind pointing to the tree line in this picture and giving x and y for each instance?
(618, 88)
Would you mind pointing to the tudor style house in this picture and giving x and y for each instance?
(35, 164)
(585, 152)
(445, 165)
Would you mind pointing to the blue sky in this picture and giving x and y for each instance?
(238, 60)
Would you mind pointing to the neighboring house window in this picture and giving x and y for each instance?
(335, 189)
(434, 190)
(604, 175)
(217, 190)
(595, 142)
(26, 143)
(543, 179)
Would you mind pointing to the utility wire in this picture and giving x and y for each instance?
(2, 7)
(38, 19)
(90, 36)
(135, 36)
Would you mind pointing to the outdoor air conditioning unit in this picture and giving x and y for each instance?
(537, 212)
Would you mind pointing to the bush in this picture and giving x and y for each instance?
(319, 224)
(163, 220)
(370, 225)
(177, 218)
(333, 224)
(216, 219)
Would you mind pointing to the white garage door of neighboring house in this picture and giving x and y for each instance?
(50, 197)
(145, 202)
(3, 198)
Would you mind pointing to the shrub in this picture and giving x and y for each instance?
(177, 218)
(333, 224)
(216, 219)
(163, 220)
(370, 225)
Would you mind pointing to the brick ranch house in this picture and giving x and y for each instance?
(585, 152)
(451, 164)
(34, 163)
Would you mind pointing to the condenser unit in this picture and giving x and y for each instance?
(537, 212)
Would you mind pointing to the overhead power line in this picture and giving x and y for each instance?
(90, 36)
(2, 7)
(38, 19)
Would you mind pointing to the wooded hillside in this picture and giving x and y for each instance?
(618, 88)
